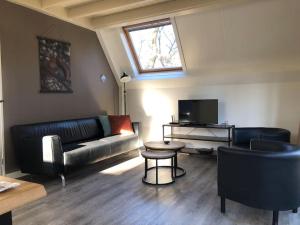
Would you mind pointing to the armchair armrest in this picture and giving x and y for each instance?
(52, 154)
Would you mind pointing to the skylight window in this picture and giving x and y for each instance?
(153, 46)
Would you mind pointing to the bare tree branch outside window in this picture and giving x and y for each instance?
(156, 47)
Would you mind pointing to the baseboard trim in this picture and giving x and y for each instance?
(16, 174)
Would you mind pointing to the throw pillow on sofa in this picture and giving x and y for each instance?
(120, 124)
(105, 124)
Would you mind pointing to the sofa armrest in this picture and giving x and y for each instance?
(52, 154)
(136, 128)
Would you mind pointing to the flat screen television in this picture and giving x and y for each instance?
(202, 112)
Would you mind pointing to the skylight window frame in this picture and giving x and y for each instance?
(148, 25)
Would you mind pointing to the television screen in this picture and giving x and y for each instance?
(198, 111)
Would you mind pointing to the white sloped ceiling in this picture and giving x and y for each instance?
(252, 42)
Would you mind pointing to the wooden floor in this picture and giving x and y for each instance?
(117, 196)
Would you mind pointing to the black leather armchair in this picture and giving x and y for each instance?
(264, 178)
(241, 136)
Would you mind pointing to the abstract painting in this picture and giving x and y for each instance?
(55, 72)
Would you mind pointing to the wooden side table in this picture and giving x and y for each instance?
(14, 198)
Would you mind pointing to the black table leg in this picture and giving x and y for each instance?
(176, 167)
(172, 167)
(146, 168)
(275, 218)
(6, 219)
(156, 163)
(229, 137)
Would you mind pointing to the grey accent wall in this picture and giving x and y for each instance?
(20, 68)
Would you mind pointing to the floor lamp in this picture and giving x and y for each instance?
(124, 79)
(2, 156)
(298, 139)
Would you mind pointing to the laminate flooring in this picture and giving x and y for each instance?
(115, 195)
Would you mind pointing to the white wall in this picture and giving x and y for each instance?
(263, 104)
(247, 55)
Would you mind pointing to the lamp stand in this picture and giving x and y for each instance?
(124, 79)
(2, 153)
(124, 92)
(298, 139)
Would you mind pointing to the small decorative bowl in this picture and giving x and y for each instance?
(167, 142)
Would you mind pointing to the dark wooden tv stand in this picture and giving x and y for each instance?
(226, 139)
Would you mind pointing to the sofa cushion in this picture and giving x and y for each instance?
(105, 124)
(69, 130)
(92, 151)
(119, 138)
(85, 152)
(90, 129)
(122, 143)
(120, 124)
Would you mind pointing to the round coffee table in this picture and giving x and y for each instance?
(172, 146)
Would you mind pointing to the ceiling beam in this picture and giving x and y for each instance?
(59, 13)
(107, 6)
(32, 4)
(160, 10)
(54, 3)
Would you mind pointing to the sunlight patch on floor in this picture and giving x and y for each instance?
(123, 167)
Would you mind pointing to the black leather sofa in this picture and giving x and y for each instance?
(265, 177)
(241, 136)
(52, 148)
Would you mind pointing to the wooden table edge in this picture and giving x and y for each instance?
(165, 146)
(26, 193)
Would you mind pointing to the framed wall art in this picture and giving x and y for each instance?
(55, 71)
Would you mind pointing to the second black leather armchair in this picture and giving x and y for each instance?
(260, 178)
(241, 136)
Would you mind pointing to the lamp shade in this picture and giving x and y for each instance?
(125, 78)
